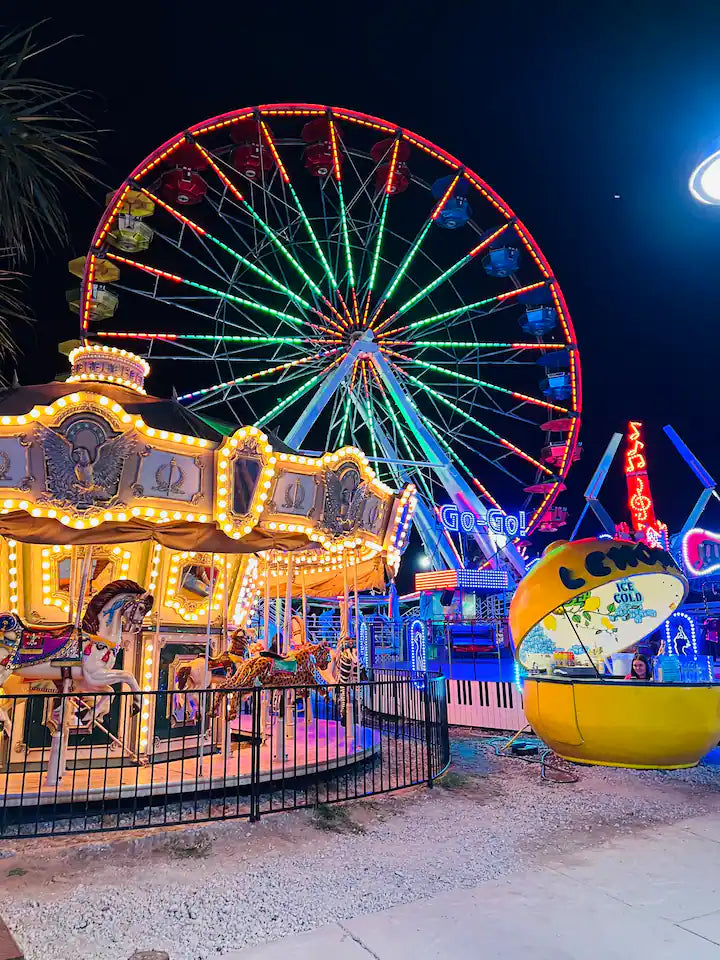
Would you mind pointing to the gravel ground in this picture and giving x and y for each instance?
(201, 892)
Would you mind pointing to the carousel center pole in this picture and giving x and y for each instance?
(204, 696)
(57, 761)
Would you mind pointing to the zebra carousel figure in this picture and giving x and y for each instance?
(347, 673)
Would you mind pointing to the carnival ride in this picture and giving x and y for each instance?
(313, 265)
(586, 601)
(105, 488)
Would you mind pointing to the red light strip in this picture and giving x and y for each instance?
(87, 297)
(445, 197)
(335, 154)
(428, 288)
(443, 399)
(274, 151)
(219, 173)
(486, 493)
(391, 169)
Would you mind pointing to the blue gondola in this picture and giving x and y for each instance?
(502, 261)
(557, 386)
(555, 360)
(539, 320)
(457, 211)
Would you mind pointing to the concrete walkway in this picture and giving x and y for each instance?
(654, 894)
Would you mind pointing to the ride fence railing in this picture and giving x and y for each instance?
(89, 763)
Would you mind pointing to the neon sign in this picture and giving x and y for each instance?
(701, 552)
(465, 521)
(640, 501)
(680, 635)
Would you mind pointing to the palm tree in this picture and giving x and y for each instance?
(45, 144)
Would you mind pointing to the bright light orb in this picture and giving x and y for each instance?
(705, 180)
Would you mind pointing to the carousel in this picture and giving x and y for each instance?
(153, 552)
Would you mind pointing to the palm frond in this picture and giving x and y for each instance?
(45, 142)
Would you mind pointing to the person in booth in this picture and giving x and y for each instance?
(640, 669)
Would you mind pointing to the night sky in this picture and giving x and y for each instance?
(560, 110)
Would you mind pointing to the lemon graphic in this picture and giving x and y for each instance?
(592, 603)
(550, 623)
(606, 623)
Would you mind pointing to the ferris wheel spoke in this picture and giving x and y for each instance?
(472, 344)
(296, 394)
(301, 210)
(472, 448)
(254, 376)
(485, 384)
(265, 227)
(499, 298)
(478, 423)
(229, 297)
(254, 268)
(337, 172)
(417, 243)
(444, 276)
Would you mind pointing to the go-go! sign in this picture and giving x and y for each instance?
(465, 521)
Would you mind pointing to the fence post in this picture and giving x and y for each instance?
(428, 733)
(255, 755)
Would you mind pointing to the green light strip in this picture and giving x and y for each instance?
(250, 304)
(421, 294)
(477, 423)
(378, 243)
(215, 337)
(406, 261)
(281, 247)
(315, 242)
(501, 298)
(202, 232)
(456, 375)
(295, 395)
(346, 235)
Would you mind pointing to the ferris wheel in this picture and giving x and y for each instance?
(338, 279)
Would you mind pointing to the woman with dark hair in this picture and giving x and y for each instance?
(640, 669)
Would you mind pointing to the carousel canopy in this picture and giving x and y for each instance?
(95, 460)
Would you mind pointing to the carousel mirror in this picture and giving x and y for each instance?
(195, 579)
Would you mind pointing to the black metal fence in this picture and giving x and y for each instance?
(87, 763)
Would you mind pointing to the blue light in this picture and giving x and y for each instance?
(418, 647)
(680, 627)
(482, 580)
(364, 646)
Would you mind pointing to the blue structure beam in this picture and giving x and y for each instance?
(460, 492)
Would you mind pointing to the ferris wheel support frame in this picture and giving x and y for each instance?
(431, 531)
(460, 493)
(323, 395)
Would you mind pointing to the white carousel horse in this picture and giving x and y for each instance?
(85, 657)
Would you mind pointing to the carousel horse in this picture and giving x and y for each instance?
(85, 657)
(191, 676)
(301, 669)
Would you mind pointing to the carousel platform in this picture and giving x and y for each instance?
(314, 749)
